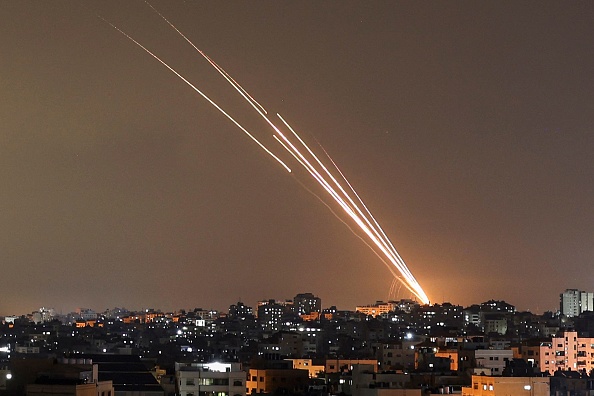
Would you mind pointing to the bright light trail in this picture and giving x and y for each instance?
(235, 84)
(201, 94)
(375, 233)
(349, 201)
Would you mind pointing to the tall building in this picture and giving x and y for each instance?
(306, 303)
(240, 310)
(270, 315)
(573, 302)
(586, 301)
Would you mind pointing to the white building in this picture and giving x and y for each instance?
(492, 360)
(586, 301)
(496, 325)
(573, 302)
(210, 379)
(43, 315)
(86, 314)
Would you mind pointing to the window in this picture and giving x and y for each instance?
(254, 378)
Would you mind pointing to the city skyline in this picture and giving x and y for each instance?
(564, 306)
(466, 128)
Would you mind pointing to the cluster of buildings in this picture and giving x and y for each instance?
(295, 346)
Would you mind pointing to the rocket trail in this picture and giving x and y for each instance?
(345, 196)
(238, 87)
(372, 232)
(201, 94)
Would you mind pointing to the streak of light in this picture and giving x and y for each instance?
(384, 236)
(353, 211)
(353, 207)
(391, 292)
(237, 86)
(201, 94)
(379, 238)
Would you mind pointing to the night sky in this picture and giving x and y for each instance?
(466, 127)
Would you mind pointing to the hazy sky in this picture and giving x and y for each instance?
(467, 128)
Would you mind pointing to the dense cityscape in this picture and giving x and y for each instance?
(162, 160)
(296, 346)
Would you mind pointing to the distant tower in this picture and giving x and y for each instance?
(270, 315)
(586, 301)
(240, 310)
(573, 302)
(306, 303)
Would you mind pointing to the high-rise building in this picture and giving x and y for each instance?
(586, 301)
(306, 303)
(270, 315)
(573, 302)
(240, 310)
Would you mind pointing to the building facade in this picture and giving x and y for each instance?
(573, 302)
(483, 385)
(285, 381)
(564, 352)
(210, 379)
